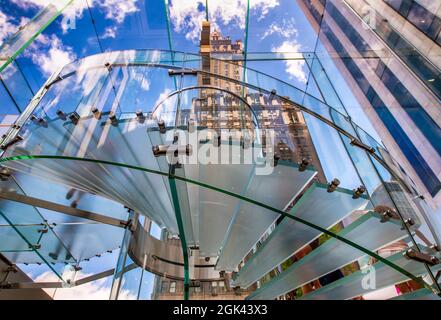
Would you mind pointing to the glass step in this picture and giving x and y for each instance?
(422, 294)
(317, 206)
(215, 215)
(212, 211)
(250, 222)
(383, 276)
(366, 231)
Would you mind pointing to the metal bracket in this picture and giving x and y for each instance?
(74, 117)
(358, 192)
(332, 186)
(386, 213)
(363, 146)
(178, 72)
(61, 115)
(96, 113)
(409, 222)
(422, 257)
(272, 94)
(303, 164)
(140, 116)
(12, 268)
(113, 120)
(161, 150)
(161, 127)
(5, 173)
(16, 139)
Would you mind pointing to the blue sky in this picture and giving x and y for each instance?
(274, 26)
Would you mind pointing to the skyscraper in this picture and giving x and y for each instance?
(388, 53)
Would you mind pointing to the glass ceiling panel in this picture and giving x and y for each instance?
(184, 23)
(39, 237)
(35, 266)
(138, 24)
(295, 71)
(17, 87)
(12, 241)
(87, 239)
(279, 27)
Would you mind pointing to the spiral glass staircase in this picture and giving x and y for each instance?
(205, 164)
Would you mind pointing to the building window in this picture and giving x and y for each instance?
(164, 285)
(402, 6)
(173, 287)
(420, 17)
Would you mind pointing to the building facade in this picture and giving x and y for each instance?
(388, 53)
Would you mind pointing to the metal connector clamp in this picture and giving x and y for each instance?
(358, 192)
(422, 257)
(178, 72)
(161, 126)
(5, 173)
(332, 186)
(161, 150)
(16, 139)
(74, 117)
(303, 164)
(140, 116)
(272, 94)
(113, 120)
(363, 146)
(96, 113)
(61, 115)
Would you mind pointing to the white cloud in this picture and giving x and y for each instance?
(49, 53)
(166, 109)
(186, 18)
(294, 68)
(7, 26)
(32, 3)
(142, 77)
(96, 290)
(109, 32)
(116, 10)
(286, 29)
